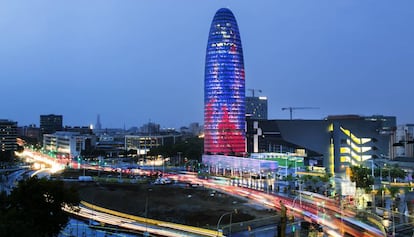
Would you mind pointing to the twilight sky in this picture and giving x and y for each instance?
(134, 61)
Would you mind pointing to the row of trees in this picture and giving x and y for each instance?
(363, 178)
(192, 148)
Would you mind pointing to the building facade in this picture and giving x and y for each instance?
(404, 145)
(8, 139)
(50, 123)
(144, 143)
(65, 144)
(338, 141)
(224, 88)
(256, 107)
(30, 133)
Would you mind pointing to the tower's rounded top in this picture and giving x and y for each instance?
(224, 11)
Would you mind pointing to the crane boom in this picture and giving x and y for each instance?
(295, 108)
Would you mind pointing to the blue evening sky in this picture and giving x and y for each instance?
(134, 61)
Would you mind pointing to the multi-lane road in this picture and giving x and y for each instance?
(308, 206)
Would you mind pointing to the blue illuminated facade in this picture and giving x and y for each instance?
(224, 88)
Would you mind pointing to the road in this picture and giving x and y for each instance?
(159, 228)
(322, 212)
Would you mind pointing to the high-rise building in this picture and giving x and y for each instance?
(224, 88)
(256, 107)
(98, 125)
(51, 123)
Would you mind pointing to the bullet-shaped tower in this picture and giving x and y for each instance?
(224, 88)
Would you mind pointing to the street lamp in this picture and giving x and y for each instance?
(146, 213)
(294, 200)
(373, 183)
(221, 217)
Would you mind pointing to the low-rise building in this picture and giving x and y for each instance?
(65, 144)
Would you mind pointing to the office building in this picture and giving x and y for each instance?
(50, 123)
(335, 143)
(224, 88)
(8, 139)
(404, 143)
(144, 143)
(256, 107)
(65, 144)
(31, 134)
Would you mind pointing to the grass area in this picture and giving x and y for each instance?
(177, 203)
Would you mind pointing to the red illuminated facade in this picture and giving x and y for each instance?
(224, 88)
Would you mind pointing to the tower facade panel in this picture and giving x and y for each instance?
(224, 88)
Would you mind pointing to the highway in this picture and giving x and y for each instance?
(138, 224)
(310, 207)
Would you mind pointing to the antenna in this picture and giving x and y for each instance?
(253, 90)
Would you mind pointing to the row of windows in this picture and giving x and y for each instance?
(212, 62)
(227, 68)
(225, 96)
(217, 39)
(217, 119)
(216, 83)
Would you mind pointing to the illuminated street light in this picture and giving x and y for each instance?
(221, 217)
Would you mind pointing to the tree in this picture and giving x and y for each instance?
(191, 148)
(397, 173)
(362, 177)
(391, 172)
(34, 208)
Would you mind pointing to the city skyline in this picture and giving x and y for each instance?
(140, 61)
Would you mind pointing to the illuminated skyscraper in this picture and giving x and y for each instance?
(224, 88)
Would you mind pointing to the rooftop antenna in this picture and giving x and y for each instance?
(253, 90)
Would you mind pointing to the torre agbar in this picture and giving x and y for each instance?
(224, 88)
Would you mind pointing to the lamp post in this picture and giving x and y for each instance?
(286, 167)
(146, 213)
(294, 200)
(221, 217)
(373, 183)
(393, 223)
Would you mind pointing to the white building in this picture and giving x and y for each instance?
(404, 146)
(64, 143)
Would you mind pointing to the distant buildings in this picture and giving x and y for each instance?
(224, 88)
(30, 134)
(8, 139)
(150, 128)
(79, 129)
(194, 129)
(98, 125)
(142, 144)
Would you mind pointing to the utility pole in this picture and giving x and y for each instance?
(296, 108)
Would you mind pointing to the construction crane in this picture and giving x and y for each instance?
(253, 90)
(295, 108)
